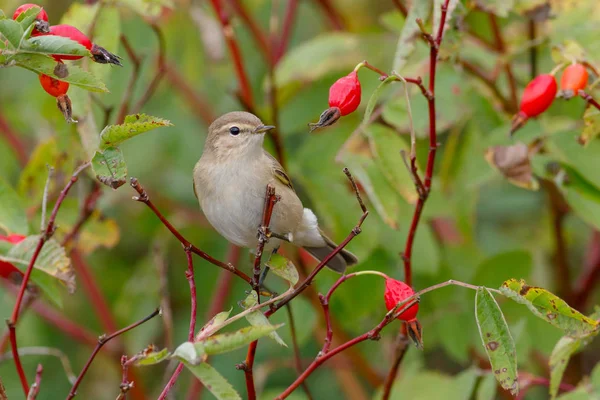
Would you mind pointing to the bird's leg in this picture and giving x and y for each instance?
(265, 271)
(286, 238)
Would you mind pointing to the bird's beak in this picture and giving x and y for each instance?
(263, 128)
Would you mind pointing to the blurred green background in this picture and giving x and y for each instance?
(477, 227)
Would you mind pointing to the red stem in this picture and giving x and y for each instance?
(234, 50)
(588, 97)
(101, 342)
(46, 234)
(255, 31)
(13, 140)
(35, 388)
(590, 275)
(334, 18)
(501, 46)
(189, 275)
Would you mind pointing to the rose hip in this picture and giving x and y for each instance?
(574, 79)
(53, 87)
(397, 291)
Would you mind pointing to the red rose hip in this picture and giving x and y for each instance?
(53, 87)
(574, 79)
(538, 95)
(345, 93)
(42, 16)
(397, 291)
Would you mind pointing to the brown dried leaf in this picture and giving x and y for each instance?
(513, 162)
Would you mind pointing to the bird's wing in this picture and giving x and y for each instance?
(279, 172)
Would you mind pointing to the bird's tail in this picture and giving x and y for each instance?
(340, 262)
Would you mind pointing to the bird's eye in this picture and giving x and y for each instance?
(234, 130)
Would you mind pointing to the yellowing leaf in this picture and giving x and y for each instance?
(550, 308)
(109, 167)
(591, 119)
(113, 135)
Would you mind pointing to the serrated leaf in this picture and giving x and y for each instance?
(27, 17)
(133, 125)
(213, 326)
(51, 44)
(550, 308)
(591, 120)
(437, 14)
(410, 32)
(497, 340)
(109, 167)
(226, 342)
(187, 352)
(42, 64)
(152, 358)
(283, 268)
(12, 31)
(13, 218)
(213, 381)
(257, 318)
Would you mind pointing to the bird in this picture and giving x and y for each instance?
(230, 181)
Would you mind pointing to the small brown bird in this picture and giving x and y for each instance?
(230, 181)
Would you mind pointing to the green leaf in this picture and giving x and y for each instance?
(495, 270)
(591, 119)
(375, 98)
(582, 196)
(133, 125)
(386, 145)
(33, 177)
(411, 32)
(42, 64)
(257, 318)
(27, 17)
(564, 349)
(153, 357)
(487, 388)
(497, 341)
(328, 53)
(213, 381)
(12, 212)
(550, 308)
(222, 343)
(283, 268)
(51, 44)
(215, 323)
(565, 147)
(12, 31)
(109, 167)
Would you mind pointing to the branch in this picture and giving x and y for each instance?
(263, 235)
(144, 198)
(255, 31)
(335, 20)
(297, 354)
(287, 27)
(189, 275)
(102, 340)
(488, 81)
(136, 61)
(160, 70)
(35, 388)
(507, 67)
(588, 97)
(12, 138)
(590, 275)
(234, 50)
(249, 363)
(87, 209)
(46, 234)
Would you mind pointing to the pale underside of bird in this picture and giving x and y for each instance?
(230, 181)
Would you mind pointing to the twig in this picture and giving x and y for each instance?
(87, 209)
(263, 235)
(249, 363)
(527, 381)
(136, 61)
(35, 387)
(189, 275)
(512, 84)
(165, 302)
(234, 50)
(12, 138)
(144, 198)
(334, 18)
(287, 27)
(45, 197)
(373, 334)
(401, 7)
(533, 50)
(219, 298)
(488, 81)
(588, 97)
(46, 234)
(590, 276)
(102, 340)
(160, 70)
(407, 254)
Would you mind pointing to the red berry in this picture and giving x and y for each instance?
(395, 292)
(7, 270)
(345, 93)
(72, 33)
(41, 16)
(574, 79)
(538, 95)
(52, 86)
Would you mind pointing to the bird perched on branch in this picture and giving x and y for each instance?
(230, 181)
